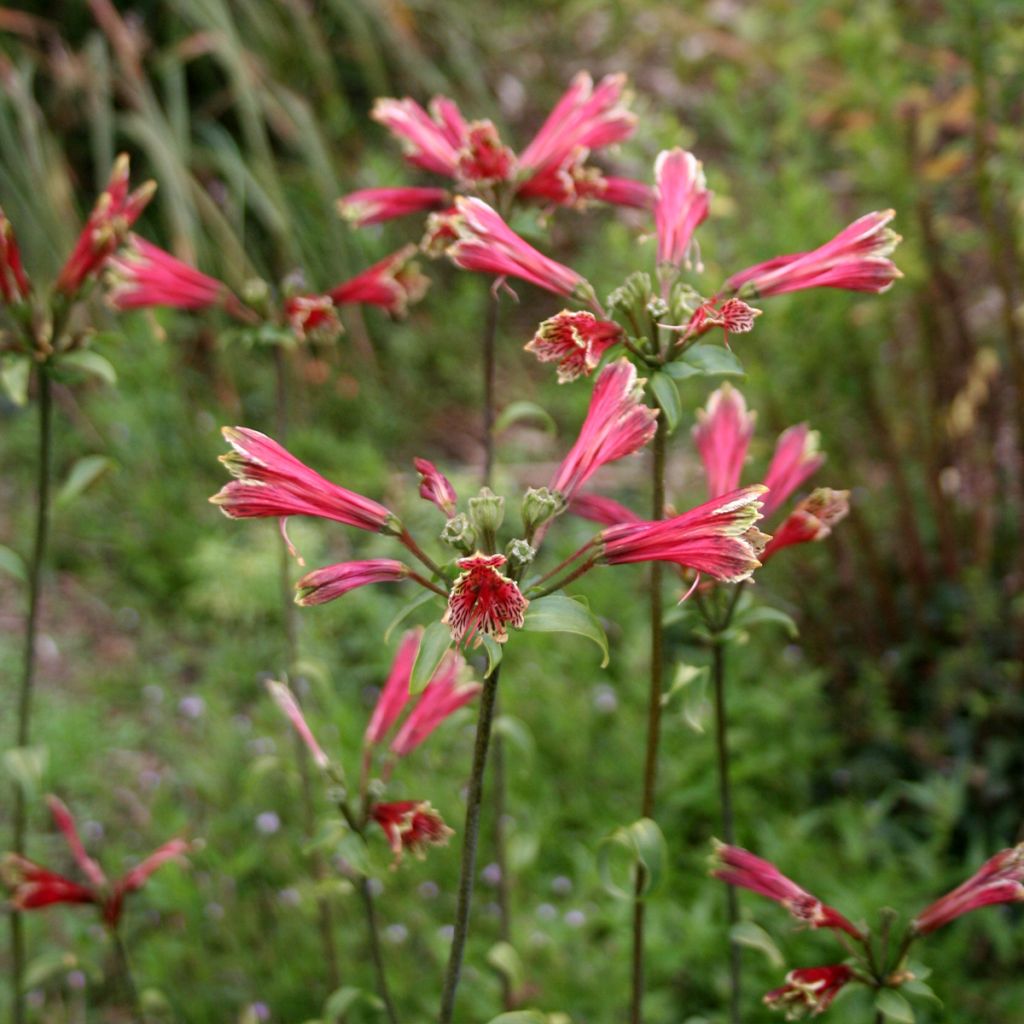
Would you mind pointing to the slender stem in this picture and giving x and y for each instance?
(423, 582)
(124, 971)
(728, 828)
(406, 538)
(653, 721)
(35, 572)
(325, 923)
(568, 561)
(565, 581)
(485, 720)
(498, 801)
(489, 366)
(879, 1017)
(375, 951)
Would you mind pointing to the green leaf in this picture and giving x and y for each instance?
(692, 682)
(12, 564)
(407, 610)
(666, 393)
(520, 1017)
(343, 999)
(515, 412)
(46, 966)
(763, 615)
(642, 844)
(437, 638)
(505, 960)
(709, 361)
(558, 613)
(753, 936)
(920, 990)
(894, 1006)
(92, 364)
(495, 652)
(27, 765)
(14, 375)
(84, 473)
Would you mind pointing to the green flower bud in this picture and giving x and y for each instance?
(459, 533)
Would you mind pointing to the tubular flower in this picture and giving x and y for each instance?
(598, 509)
(143, 275)
(796, 459)
(811, 520)
(487, 244)
(32, 886)
(114, 213)
(483, 159)
(578, 183)
(483, 601)
(576, 341)
(394, 695)
(285, 700)
(718, 537)
(722, 436)
(617, 424)
(312, 314)
(739, 867)
(435, 487)
(999, 880)
(373, 205)
(441, 233)
(809, 991)
(681, 201)
(333, 581)
(584, 119)
(429, 142)
(272, 482)
(857, 259)
(443, 696)
(14, 283)
(734, 316)
(411, 825)
(394, 283)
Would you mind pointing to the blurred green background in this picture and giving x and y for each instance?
(879, 756)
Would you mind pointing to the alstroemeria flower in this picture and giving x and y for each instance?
(576, 341)
(740, 867)
(617, 424)
(447, 691)
(312, 314)
(811, 520)
(32, 886)
(796, 459)
(285, 700)
(373, 205)
(999, 880)
(394, 694)
(272, 482)
(14, 283)
(435, 487)
(393, 283)
(483, 601)
(115, 211)
(722, 436)
(733, 316)
(718, 538)
(598, 509)
(809, 991)
(857, 259)
(680, 205)
(411, 825)
(334, 581)
(488, 245)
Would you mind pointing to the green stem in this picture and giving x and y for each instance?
(35, 572)
(470, 837)
(124, 972)
(653, 721)
(566, 580)
(489, 368)
(375, 951)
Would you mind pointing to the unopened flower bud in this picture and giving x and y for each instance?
(540, 505)
(519, 552)
(487, 511)
(459, 533)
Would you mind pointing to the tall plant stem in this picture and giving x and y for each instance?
(489, 363)
(125, 976)
(373, 929)
(325, 923)
(653, 723)
(470, 837)
(35, 573)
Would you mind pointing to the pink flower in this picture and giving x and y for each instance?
(115, 212)
(14, 283)
(32, 886)
(617, 424)
(734, 316)
(435, 487)
(429, 142)
(722, 436)
(625, 192)
(718, 537)
(576, 341)
(487, 244)
(796, 459)
(578, 183)
(285, 700)
(143, 275)
(598, 509)
(373, 205)
(811, 520)
(483, 601)
(272, 482)
(680, 205)
(999, 880)
(809, 991)
(483, 160)
(333, 581)
(394, 283)
(585, 118)
(312, 314)
(856, 259)
(395, 693)
(739, 867)
(443, 696)
(441, 233)
(411, 825)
